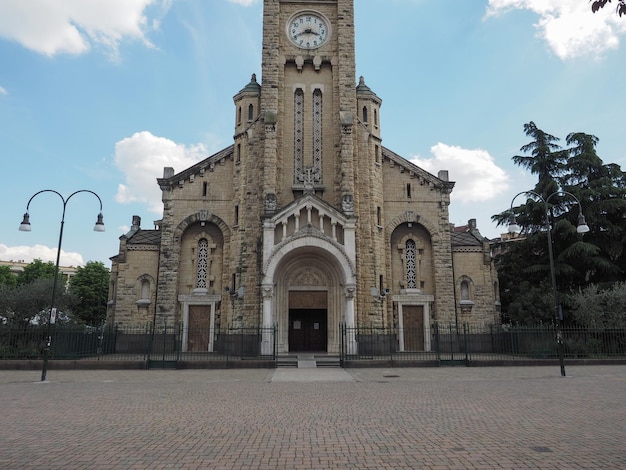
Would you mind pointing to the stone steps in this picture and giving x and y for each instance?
(308, 361)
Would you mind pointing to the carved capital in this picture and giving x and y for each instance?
(267, 292)
(350, 292)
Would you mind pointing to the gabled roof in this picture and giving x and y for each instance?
(308, 199)
(446, 186)
(464, 239)
(144, 237)
(167, 183)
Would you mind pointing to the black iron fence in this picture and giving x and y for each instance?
(174, 345)
(161, 345)
(441, 344)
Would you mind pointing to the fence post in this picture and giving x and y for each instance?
(178, 341)
(437, 342)
(150, 330)
(466, 342)
(342, 333)
(275, 342)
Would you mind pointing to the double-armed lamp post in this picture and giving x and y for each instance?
(25, 227)
(581, 227)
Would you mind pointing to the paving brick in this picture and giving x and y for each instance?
(434, 418)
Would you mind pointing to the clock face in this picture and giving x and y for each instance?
(308, 30)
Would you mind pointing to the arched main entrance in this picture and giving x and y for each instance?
(308, 320)
(309, 302)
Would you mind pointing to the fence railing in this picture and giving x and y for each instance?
(445, 343)
(160, 343)
(173, 344)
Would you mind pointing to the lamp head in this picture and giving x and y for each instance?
(25, 225)
(582, 225)
(513, 227)
(99, 227)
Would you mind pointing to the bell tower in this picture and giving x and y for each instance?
(308, 101)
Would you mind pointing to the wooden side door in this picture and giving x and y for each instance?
(199, 325)
(413, 327)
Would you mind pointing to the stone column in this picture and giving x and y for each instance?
(267, 342)
(351, 346)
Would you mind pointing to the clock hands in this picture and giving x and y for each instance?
(306, 31)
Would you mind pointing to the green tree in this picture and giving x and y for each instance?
(597, 257)
(36, 270)
(602, 191)
(546, 159)
(596, 308)
(620, 9)
(26, 303)
(89, 289)
(7, 278)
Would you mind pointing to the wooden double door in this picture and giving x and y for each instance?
(308, 330)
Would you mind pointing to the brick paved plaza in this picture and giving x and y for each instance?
(439, 418)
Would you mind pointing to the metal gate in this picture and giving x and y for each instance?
(164, 348)
(451, 344)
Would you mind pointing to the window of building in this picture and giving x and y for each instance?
(145, 289)
(376, 117)
(298, 142)
(202, 263)
(143, 300)
(239, 115)
(205, 188)
(250, 113)
(317, 131)
(365, 114)
(411, 265)
(236, 215)
(465, 292)
(408, 190)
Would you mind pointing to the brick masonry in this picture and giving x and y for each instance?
(227, 197)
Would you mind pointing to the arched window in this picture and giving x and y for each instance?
(145, 289)
(202, 267)
(465, 291)
(317, 130)
(365, 114)
(411, 266)
(250, 113)
(298, 138)
(376, 118)
(239, 115)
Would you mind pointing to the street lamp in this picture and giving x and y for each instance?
(581, 227)
(25, 227)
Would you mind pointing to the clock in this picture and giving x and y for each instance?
(308, 30)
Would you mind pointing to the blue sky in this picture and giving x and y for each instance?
(102, 94)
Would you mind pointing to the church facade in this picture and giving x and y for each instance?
(306, 221)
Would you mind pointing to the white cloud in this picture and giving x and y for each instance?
(142, 157)
(3, 91)
(28, 254)
(73, 26)
(568, 26)
(477, 176)
(245, 3)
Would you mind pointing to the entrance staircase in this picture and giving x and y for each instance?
(308, 360)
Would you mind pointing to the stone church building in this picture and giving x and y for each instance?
(306, 221)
